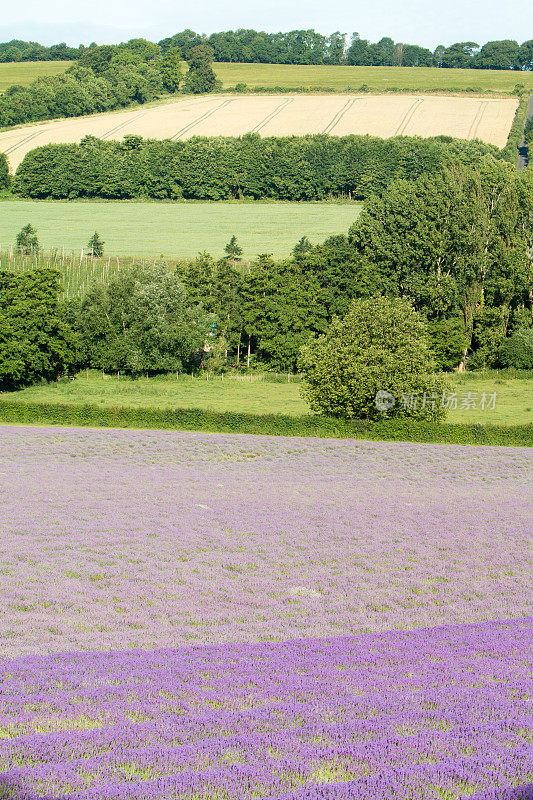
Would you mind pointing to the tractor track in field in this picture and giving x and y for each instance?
(408, 116)
(339, 115)
(270, 117)
(20, 143)
(121, 125)
(477, 120)
(201, 118)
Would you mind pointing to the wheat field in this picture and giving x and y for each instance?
(489, 119)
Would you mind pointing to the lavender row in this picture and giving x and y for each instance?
(434, 713)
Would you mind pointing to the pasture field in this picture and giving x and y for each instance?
(294, 586)
(485, 118)
(176, 230)
(24, 72)
(513, 401)
(343, 78)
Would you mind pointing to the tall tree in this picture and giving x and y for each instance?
(35, 340)
(170, 68)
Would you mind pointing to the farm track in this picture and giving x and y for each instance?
(110, 133)
(407, 118)
(477, 120)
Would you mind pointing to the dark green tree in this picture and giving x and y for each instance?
(302, 247)
(170, 69)
(200, 78)
(96, 246)
(233, 250)
(27, 241)
(35, 340)
(4, 172)
(143, 321)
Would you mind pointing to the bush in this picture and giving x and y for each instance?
(517, 351)
(374, 363)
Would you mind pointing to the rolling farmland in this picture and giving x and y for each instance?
(489, 119)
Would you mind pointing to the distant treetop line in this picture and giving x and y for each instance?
(312, 48)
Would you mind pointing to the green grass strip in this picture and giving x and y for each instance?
(185, 419)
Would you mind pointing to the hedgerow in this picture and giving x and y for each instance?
(286, 168)
(186, 419)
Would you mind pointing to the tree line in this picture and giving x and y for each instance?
(455, 245)
(106, 78)
(311, 167)
(309, 47)
(19, 50)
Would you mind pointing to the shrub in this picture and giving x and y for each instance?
(448, 342)
(517, 351)
(372, 364)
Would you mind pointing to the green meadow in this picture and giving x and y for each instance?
(175, 230)
(339, 79)
(513, 396)
(24, 72)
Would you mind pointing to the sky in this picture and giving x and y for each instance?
(424, 22)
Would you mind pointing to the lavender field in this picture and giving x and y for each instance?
(130, 559)
(438, 713)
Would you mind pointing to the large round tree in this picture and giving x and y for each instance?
(373, 363)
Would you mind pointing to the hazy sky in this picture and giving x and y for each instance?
(424, 22)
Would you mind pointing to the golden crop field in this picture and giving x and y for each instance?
(489, 119)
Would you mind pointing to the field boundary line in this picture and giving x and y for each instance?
(339, 115)
(270, 117)
(477, 119)
(201, 118)
(409, 114)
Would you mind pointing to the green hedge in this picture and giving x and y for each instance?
(528, 132)
(220, 168)
(269, 424)
(516, 134)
